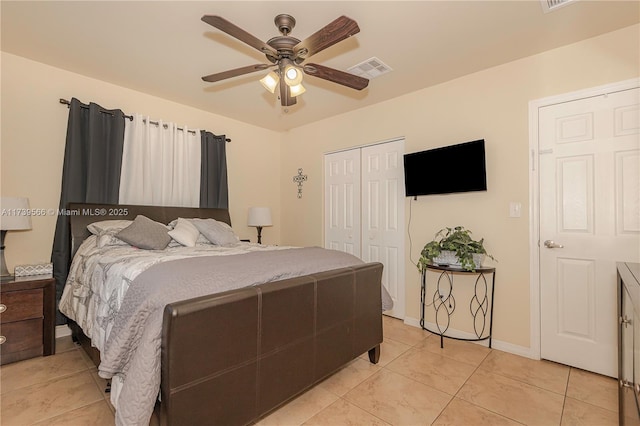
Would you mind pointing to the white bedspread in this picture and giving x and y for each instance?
(99, 278)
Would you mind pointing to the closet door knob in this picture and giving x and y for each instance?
(3, 307)
(2, 339)
(625, 321)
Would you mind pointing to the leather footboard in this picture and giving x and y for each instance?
(233, 357)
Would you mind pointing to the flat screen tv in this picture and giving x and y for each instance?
(454, 168)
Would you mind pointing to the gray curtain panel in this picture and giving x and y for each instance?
(214, 191)
(91, 174)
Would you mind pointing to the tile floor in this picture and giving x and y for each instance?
(415, 383)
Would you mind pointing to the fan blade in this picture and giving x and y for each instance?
(234, 73)
(285, 95)
(237, 32)
(331, 34)
(336, 76)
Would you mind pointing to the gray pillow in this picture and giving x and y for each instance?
(218, 233)
(146, 234)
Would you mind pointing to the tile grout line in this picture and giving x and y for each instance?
(40, 421)
(430, 336)
(51, 379)
(564, 399)
(476, 405)
(355, 403)
(510, 378)
(66, 412)
(363, 409)
(515, 379)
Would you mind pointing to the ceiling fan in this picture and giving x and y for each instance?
(287, 55)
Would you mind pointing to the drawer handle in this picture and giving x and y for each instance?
(2, 339)
(3, 307)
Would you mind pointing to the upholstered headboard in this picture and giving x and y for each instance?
(82, 214)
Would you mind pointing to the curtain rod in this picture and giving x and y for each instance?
(67, 103)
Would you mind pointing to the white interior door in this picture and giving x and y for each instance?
(342, 201)
(382, 171)
(364, 210)
(589, 219)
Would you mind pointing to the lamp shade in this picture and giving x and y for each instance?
(270, 81)
(15, 214)
(259, 216)
(297, 90)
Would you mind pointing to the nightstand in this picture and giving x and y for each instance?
(27, 318)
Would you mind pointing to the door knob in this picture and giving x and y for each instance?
(551, 244)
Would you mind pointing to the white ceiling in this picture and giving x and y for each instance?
(163, 48)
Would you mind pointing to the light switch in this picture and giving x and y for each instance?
(515, 209)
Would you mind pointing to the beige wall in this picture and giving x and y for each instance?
(33, 137)
(492, 104)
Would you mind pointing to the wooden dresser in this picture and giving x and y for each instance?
(27, 318)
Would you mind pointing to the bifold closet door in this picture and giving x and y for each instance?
(364, 210)
(342, 201)
(382, 198)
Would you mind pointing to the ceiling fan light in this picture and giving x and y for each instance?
(292, 75)
(296, 90)
(270, 81)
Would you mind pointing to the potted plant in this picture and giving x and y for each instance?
(453, 246)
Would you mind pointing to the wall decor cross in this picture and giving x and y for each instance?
(299, 178)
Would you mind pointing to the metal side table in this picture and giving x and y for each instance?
(444, 302)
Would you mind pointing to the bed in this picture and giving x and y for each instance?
(232, 357)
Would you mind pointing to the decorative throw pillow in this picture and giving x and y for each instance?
(146, 234)
(218, 233)
(201, 238)
(185, 233)
(98, 228)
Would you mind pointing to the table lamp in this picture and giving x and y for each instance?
(15, 217)
(259, 217)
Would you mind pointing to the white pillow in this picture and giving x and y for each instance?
(201, 238)
(185, 233)
(218, 233)
(97, 228)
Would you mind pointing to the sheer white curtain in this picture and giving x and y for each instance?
(160, 164)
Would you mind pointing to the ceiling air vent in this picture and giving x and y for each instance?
(371, 68)
(551, 5)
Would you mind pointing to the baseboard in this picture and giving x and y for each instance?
(414, 322)
(62, 331)
(495, 344)
(513, 349)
